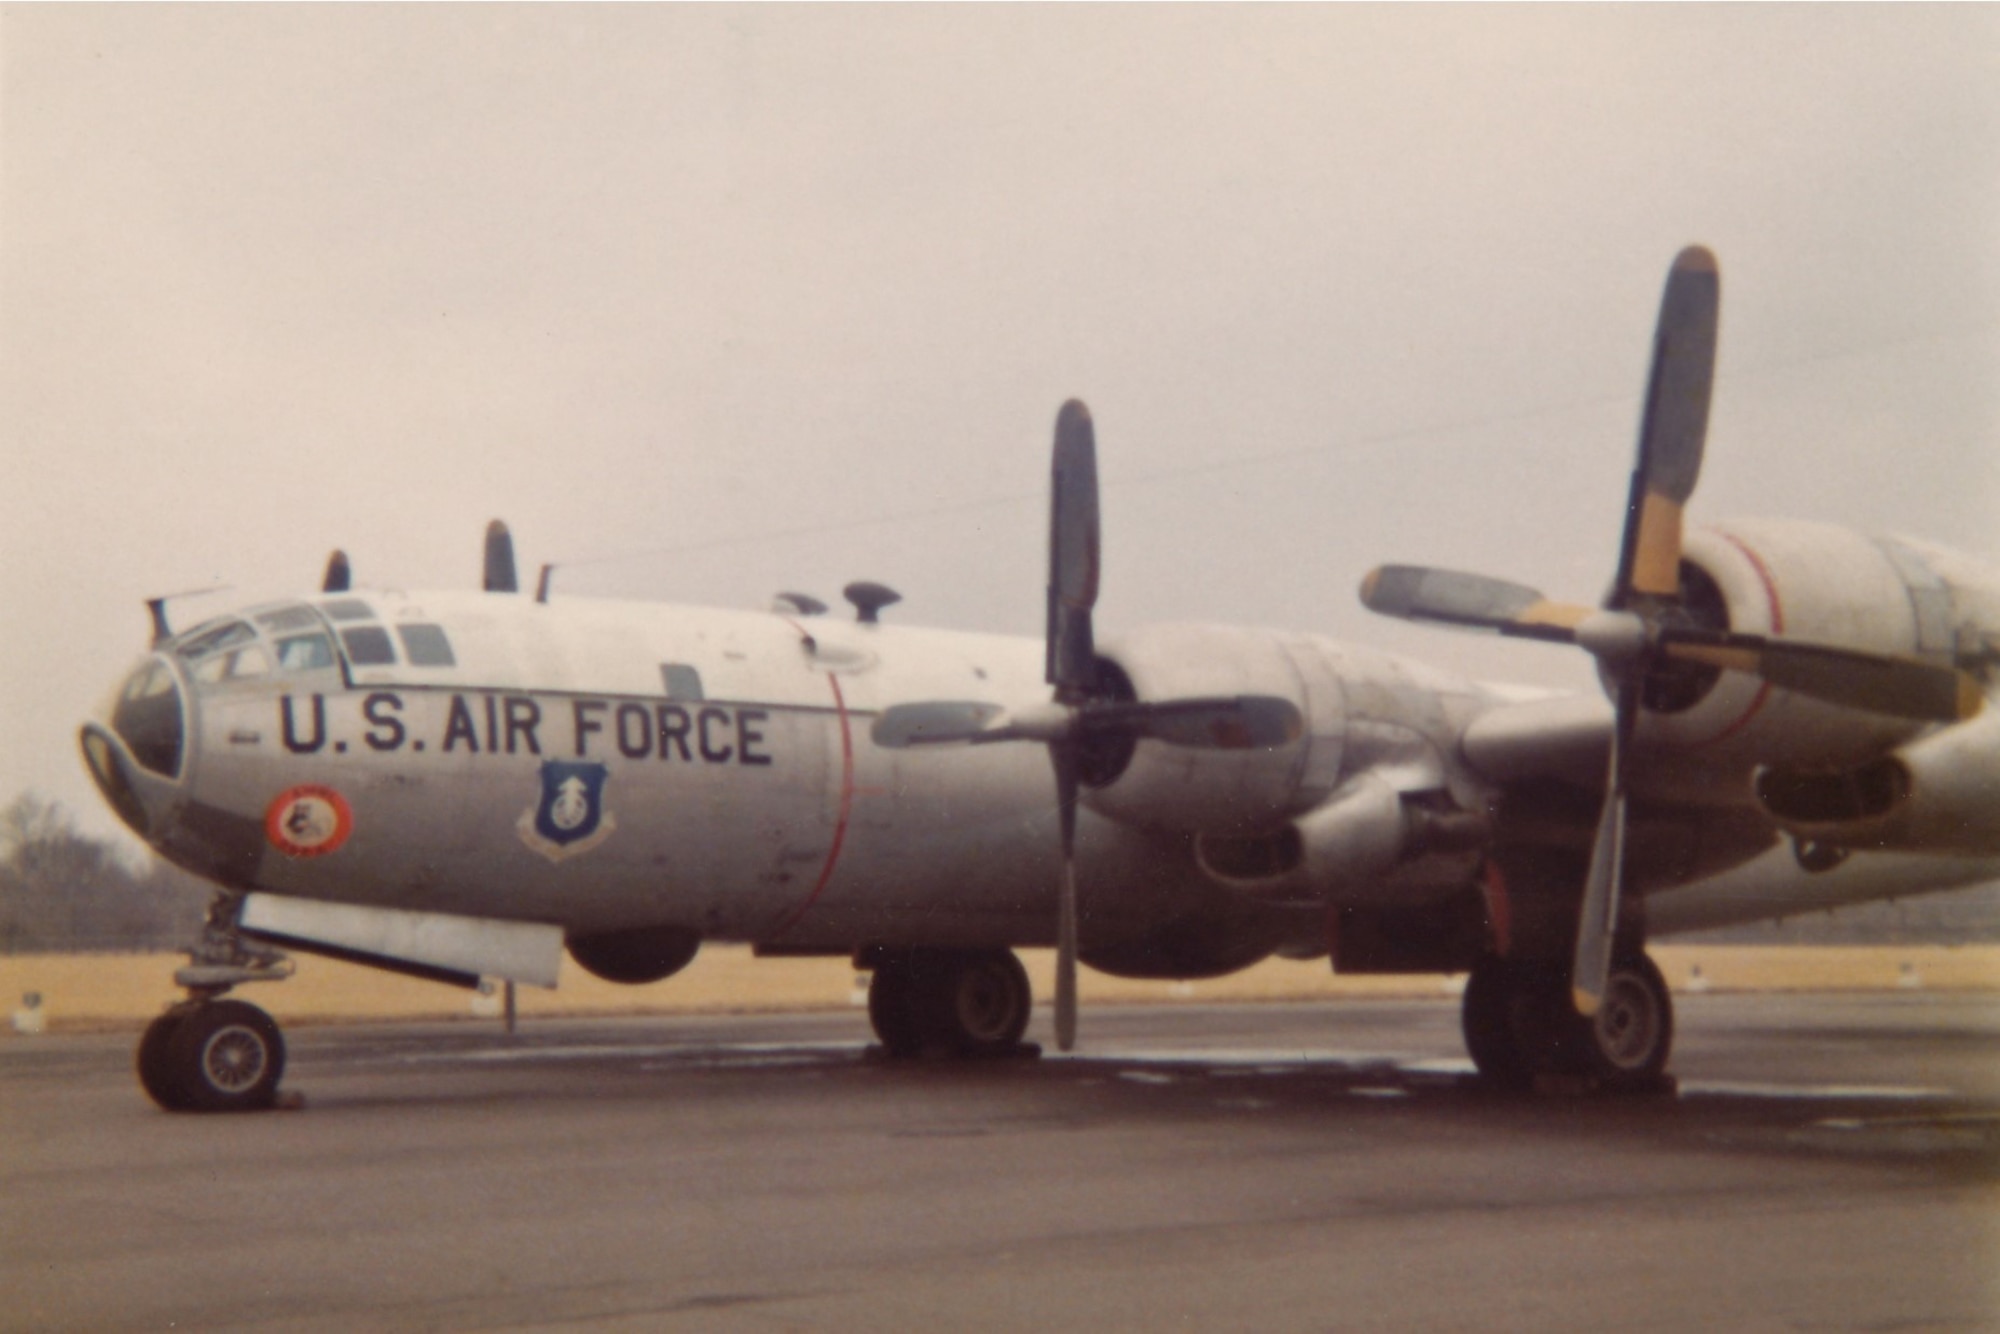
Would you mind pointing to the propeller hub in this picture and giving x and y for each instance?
(1614, 637)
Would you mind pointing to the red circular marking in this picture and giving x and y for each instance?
(308, 821)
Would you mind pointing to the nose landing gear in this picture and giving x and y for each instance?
(208, 1054)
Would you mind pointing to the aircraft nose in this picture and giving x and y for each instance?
(136, 749)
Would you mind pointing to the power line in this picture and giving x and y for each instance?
(1115, 481)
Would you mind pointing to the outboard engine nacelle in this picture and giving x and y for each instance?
(1940, 794)
(1800, 581)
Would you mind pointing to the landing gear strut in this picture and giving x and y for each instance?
(948, 1002)
(207, 1054)
(1520, 1025)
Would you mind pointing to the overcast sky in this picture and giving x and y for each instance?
(790, 296)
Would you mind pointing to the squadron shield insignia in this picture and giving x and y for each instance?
(570, 817)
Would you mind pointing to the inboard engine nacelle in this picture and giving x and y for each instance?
(1220, 791)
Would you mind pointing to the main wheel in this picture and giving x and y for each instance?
(980, 1003)
(1634, 1027)
(950, 1002)
(156, 1073)
(1486, 1016)
(890, 1008)
(225, 1056)
(1520, 1022)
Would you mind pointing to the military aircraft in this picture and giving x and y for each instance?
(462, 785)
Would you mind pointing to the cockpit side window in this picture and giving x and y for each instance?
(236, 665)
(368, 646)
(227, 635)
(304, 653)
(295, 617)
(425, 645)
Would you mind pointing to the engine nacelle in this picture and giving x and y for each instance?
(642, 954)
(1368, 843)
(1940, 794)
(1809, 582)
(1225, 792)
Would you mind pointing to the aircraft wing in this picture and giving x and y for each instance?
(1565, 737)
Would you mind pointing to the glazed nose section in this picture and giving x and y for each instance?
(137, 751)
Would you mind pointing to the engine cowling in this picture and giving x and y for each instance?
(1940, 794)
(1810, 582)
(1366, 844)
(1225, 792)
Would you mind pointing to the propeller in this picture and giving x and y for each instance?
(339, 577)
(1644, 623)
(1081, 716)
(499, 574)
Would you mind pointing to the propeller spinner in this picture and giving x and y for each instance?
(1082, 714)
(1644, 626)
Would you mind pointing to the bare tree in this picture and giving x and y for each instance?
(61, 889)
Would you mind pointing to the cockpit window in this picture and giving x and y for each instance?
(296, 617)
(347, 609)
(368, 646)
(148, 717)
(304, 653)
(226, 635)
(236, 665)
(425, 645)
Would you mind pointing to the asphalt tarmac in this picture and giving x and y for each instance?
(1829, 1163)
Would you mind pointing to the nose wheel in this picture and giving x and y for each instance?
(212, 1056)
(208, 1054)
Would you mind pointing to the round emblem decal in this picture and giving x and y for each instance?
(308, 821)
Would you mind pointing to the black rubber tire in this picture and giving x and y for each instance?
(979, 1002)
(891, 1009)
(156, 1072)
(226, 1056)
(950, 1003)
(1486, 1017)
(1520, 1023)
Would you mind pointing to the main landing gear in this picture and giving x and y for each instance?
(1521, 1026)
(207, 1054)
(926, 1002)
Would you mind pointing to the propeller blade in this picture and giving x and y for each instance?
(1073, 554)
(1246, 722)
(1597, 921)
(932, 723)
(1065, 759)
(1901, 687)
(339, 577)
(499, 560)
(1672, 430)
(1469, 601)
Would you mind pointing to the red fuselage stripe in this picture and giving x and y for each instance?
(840, 820)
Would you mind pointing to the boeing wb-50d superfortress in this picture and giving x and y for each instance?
(461, 785)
